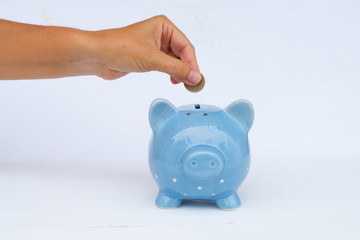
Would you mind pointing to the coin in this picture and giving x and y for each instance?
(197, 87)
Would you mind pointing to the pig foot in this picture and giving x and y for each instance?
(228, 203)
(163, 200)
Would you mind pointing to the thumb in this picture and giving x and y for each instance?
(178, 69)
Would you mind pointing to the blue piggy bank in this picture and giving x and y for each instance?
(199, 152)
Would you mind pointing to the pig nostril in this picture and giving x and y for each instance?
(193, 163)
(212, 164)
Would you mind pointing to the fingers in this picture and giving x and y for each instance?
(179, 44)
(178, 69)
(173, 80)
(174, 43)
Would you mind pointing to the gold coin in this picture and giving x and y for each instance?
(198, 87)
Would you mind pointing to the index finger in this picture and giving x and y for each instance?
(180, 45)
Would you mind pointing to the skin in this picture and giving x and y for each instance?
(38, 52)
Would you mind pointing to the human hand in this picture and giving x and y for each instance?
(153, 44)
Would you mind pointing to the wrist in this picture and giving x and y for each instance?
(84, 48)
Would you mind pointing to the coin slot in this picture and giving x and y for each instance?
(197, 106)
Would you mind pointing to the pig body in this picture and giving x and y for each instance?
(199, 152)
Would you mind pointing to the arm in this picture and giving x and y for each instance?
(156, 44)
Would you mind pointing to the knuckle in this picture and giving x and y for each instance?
(179, 69)
(192, 47)
(162, 18)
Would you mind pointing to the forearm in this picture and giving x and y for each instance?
(32, 52)
(156, 44)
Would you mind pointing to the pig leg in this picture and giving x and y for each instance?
(163, 200)
(229, 202)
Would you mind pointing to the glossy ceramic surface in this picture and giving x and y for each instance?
(199, 152)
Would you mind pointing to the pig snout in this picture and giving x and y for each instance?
(203, 161)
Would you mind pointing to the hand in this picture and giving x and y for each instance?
(153, 44)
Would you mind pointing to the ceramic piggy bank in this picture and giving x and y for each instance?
(199, 152)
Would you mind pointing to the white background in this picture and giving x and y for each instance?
(73, 151)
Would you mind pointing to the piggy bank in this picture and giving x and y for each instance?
(199, 152)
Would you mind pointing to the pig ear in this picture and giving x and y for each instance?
(160, 110)
(243, 111)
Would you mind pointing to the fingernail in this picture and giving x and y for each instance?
(194, 77)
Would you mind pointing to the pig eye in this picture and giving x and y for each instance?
(188, 114)
(205, 114)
